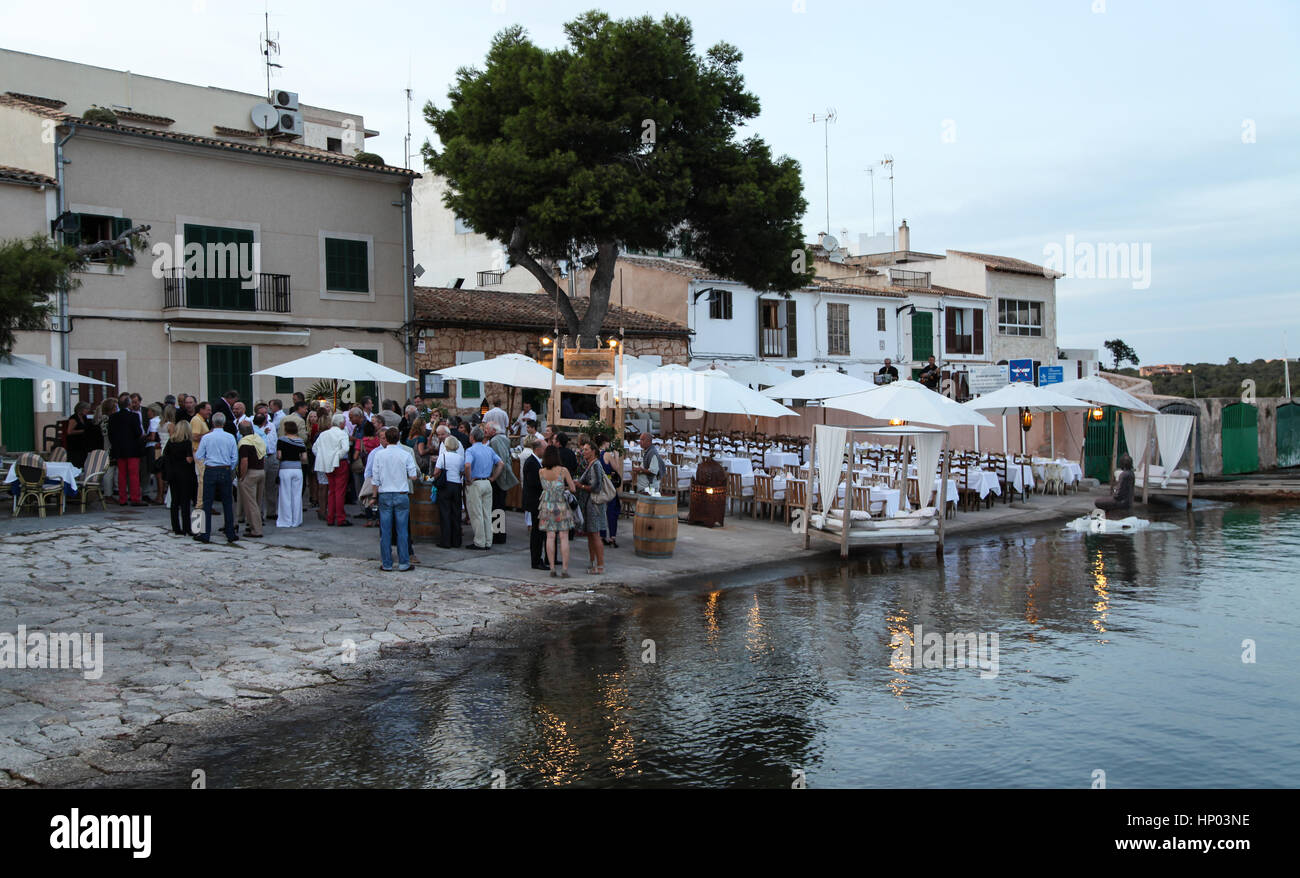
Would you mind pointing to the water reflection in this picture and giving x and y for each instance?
(1115, 649)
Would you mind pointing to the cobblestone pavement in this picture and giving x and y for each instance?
(190, 631)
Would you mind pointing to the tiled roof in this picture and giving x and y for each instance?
(828, 285)
(295, 153)
(939, 291)
(236, 132)
(673, 265)
(1006, 263)
(52, 103)
(487, 309)
(18, 175)
(133, 116)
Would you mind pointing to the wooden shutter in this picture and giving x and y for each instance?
(950, 342)
(759, 321)
(791, 329)
(977, 330)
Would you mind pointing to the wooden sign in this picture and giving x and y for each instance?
(582, 364)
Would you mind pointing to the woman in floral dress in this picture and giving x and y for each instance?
(553, 515)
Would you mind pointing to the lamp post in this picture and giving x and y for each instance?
(1193, 374)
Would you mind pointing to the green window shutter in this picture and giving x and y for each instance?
(366, 388)
(284, 385)
(120, 225)
(230, 367)
(791, 330)
(471, 389)
(347, 265)
(922, 336)
(71, 234)
(209, 289)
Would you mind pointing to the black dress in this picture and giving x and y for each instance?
(182, 482)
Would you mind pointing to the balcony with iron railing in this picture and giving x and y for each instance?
(902, 278)
(773, 342)
(266, 292)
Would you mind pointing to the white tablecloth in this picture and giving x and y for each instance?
(1072, 471)
(742, 465)
(891, 496)
(61, 470)
(780, 458)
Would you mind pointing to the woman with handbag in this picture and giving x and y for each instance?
(178, 470)
(366, 441)
(448, 474)
(553, 514)
(595, 492)
(613, 466)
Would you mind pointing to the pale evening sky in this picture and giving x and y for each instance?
(1172, 126)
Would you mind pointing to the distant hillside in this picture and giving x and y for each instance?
(1224, 379)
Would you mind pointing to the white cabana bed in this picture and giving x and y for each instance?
(831, 448)
(1173, 434)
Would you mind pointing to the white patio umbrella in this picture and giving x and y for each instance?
(820, 383)
(710, 390)
(757, 373)
(910, 401)
(339, 364)
(1100, 391)
(21, 367)
(515, 370)
(1023, 396)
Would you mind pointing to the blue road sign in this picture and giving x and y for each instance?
(1022, 370)
(1050, 375)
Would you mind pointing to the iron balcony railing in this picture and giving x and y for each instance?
(271, 292)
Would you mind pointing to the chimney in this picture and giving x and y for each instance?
(904, 238)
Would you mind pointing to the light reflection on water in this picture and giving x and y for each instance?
(1119, 652)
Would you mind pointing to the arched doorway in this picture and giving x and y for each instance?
(1240, 431)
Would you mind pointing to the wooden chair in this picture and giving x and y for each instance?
(739, 495)
(796, 493)
(765, 495)
(862, 500)
(92, 477)
(59, 455)
(33, 485)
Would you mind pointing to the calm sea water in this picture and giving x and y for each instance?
(1115, 653)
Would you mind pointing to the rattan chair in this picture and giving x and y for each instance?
(92, 477)
(59, 455)
(34, 487)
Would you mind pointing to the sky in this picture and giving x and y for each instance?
(1038, 129)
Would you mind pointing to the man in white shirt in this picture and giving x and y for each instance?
(497, 417)
(526, 417)
(390, 470)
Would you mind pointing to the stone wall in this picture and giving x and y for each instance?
(442, 345)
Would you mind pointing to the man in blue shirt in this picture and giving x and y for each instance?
(218, 452)
(390, 469)
(482, 465)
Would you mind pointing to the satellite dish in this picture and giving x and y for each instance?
(830, 243)
(836, 256)
(265, 116)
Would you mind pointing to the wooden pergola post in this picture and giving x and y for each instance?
(942, 499)
(808, 489)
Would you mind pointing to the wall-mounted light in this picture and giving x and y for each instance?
(897, 422)
(1097, 413)
(1026, 420)
(547, 340)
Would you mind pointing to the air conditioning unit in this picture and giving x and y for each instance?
(286, 100)
(290, 123)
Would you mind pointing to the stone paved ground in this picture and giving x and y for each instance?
(258, 622)
(196, 634)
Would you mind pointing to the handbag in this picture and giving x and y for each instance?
(604, 492)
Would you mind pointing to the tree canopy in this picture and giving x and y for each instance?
(1121, 352)
(624, 139)
(31, 272)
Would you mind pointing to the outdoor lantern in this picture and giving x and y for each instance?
(483, 409)
(547, 340)
(1097, 413)
(897, 422)
(1026, 420)
(613, 342)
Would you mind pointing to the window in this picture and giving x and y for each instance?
(334, 144)
(880, 320)
(463, 228)
(468, 393)
(837, 329)
(719, 304)
(1019, 317)
(91, 228)
(490, 278)
(963, 330)
(216, 280)
(347, 265)
(777, 330)
(283, 386)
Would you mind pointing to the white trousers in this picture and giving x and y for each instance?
(288, 511)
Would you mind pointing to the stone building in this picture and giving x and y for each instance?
(455, 326)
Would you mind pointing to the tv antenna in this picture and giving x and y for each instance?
(826, 119)
(408, 127)
(888, 162)
(270, 46)
(871, 172)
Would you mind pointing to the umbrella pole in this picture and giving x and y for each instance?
(1024, 488)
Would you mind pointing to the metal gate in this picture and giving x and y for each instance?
(1240, 433)
(1288, 435)
(1098, 437)
(1186, 408)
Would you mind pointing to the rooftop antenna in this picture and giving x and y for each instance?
(888, 162)
(270, 45)
(409, 99)
(826, 119)
(871, 172)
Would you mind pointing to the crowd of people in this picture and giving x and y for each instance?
(270, 463)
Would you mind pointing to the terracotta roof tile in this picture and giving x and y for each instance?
(488, 309)
(673, 265)
(18, 175)
(133, 116)
(52, 103)
(1006, 263)
(939, 291)
(828, 285)
(297, 153)
(235, 132)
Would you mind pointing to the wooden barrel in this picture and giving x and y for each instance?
(654, 534)
(424, 514)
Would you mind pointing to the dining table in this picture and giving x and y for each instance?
(58, 470)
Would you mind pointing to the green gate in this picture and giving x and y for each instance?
(1098, 437)
(230, 367)
(1288, 435)
(17, 417)
(1240, 439)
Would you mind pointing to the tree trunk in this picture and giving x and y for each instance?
(121, 243)
(518, 250)
(602, 280)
